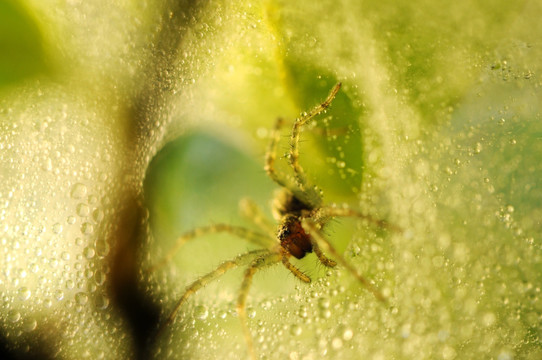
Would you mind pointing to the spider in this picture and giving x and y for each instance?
(300, 215)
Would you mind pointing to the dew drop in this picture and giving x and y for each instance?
(24, 293)
(348, 334)
(326, 314)
(201, 312)
(251, 313)
(87, 228)
(81, 298)
(30, 325)
(505, 356)
(82, 210)
(59, 295)
(303, 312)
(323, 303)
(78, 191)
(488, 319)
(70, 284)
(102, 247)
(336, 343)
(102, 302)
(47, 164)
(57, 228)
(296, 330)
(14, 316)
(89, 252)
(99, 277)
(98, 215)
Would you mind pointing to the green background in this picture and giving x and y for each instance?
(124, 124)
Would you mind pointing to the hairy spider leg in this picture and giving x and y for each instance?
(241, 232)
(311, 227)
(322, 214)
(270, 158)
(294, 270)
(299, 174)
(240, 260)
(251, 211)
(256, 264)
(271, 154)
(321, 256)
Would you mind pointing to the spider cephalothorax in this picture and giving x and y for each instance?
(300, 216)
(288, 211)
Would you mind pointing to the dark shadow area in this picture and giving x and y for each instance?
(128, 295)
(37, 352)
(147, 105)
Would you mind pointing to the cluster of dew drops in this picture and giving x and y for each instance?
(56, 272)
(279, 325)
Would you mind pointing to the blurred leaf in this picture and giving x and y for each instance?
(21, 44)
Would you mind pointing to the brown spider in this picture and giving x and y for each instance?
(300, 214)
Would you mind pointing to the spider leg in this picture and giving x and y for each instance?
(206, 279)
(300, 178)
(323, 259)
(250, 210)
(251, 236)
(311, 227)
(256, 264)
(271, 154)
(294, 270)
(323, 213)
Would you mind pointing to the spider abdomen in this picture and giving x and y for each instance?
(293, 237)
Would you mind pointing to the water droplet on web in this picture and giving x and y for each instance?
(87, 228)
(78, 191)
(201, 312)
(98, 215)
(81, 298)
(14, 316)
(102, 247)
(323, 303)
(30, 325)
(59, 295)
(82, 210)
(303, 312)
(336, 343)
(348, 334)
(102, 302)
(251, 313)
(296, 330)
(57, 228)
(99, 277)
(24, 293)
(70, 284)
(89, 252)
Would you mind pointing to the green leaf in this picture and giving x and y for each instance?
(21, 44)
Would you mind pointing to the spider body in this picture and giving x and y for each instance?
(300, 215)
(289, 211)
(293, 238)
